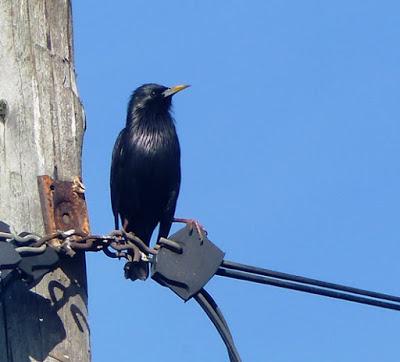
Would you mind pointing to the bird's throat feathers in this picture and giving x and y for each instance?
(149, 118)
(149, 130)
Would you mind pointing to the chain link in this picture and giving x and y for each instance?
(117, 244)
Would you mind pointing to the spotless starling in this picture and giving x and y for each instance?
(145, 170)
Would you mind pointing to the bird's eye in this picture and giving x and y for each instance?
(153, 93)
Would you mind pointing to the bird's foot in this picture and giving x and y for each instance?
(193, 224)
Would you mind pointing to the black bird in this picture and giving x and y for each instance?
(145, 170)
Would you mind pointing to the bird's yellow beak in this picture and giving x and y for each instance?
(171, 91)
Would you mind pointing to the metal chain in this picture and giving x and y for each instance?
(117, 244)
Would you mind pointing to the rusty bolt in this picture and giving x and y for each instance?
(3, 110)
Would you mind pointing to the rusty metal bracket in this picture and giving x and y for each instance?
(63, 206)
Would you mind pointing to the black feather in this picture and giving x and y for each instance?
(145, 170)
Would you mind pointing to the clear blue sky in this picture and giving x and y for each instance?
(290, 141)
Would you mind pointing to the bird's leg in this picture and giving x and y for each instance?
(125, 223)
(192, 223)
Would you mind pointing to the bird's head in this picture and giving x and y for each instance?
(152, 98)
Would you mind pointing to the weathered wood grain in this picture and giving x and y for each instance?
(42, 134)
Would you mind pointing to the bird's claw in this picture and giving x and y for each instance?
(194, 224)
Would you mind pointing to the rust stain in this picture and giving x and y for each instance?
(63, 206)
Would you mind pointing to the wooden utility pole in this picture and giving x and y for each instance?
(41, 134)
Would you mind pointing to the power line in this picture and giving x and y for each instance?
(209, 306)
(303, 287)
(285, 276)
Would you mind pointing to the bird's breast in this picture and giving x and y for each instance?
(153, 150)
(151, 143)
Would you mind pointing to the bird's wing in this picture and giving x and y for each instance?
(115, 176)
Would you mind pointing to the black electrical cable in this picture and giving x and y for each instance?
(220, 324)
(304, 288)
(271, 273)
(214, 305)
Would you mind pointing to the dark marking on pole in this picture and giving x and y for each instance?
(3, 110)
